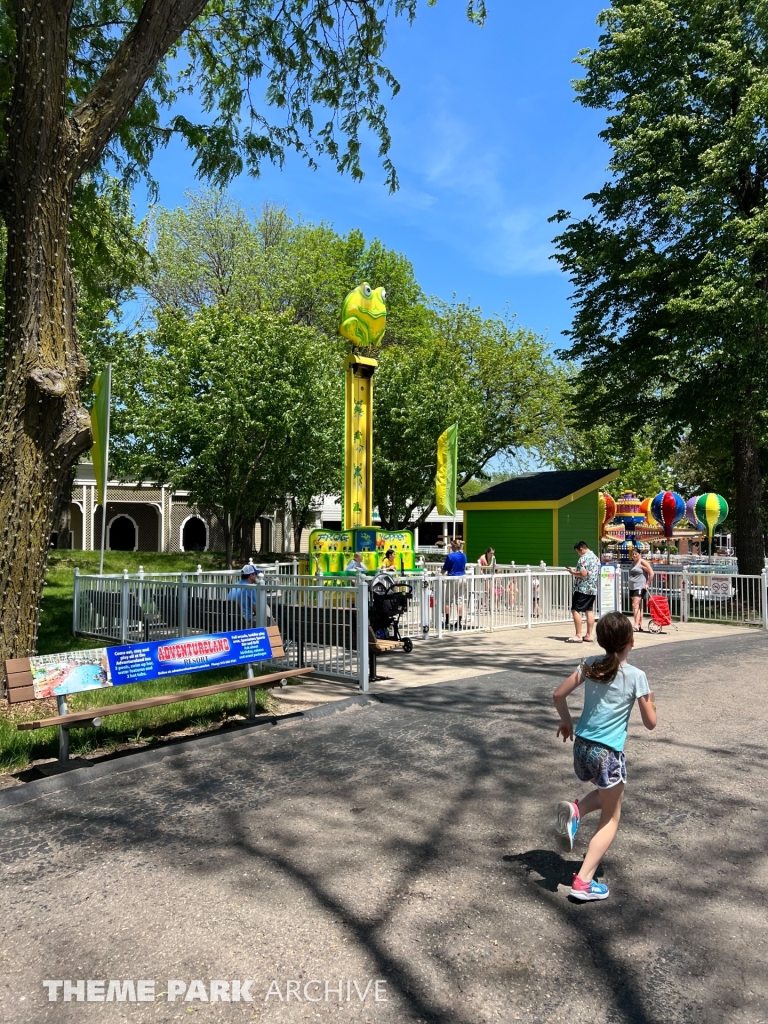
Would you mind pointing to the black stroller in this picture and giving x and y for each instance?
(388, 601)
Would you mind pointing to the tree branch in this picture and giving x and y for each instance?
(100, 114)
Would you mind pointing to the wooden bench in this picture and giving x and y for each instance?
(20, 688)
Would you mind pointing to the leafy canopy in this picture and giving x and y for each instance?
(317, 64)
(489, 375)
(210, 252)
(670, 271)
(229, 407)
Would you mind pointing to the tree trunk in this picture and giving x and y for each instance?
(43, 427)
(749, 500)
(245, 547)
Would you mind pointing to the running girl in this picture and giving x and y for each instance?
(611, 686)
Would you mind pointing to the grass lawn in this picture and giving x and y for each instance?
(18, 749)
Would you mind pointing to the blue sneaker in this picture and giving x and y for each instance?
(589, 890)
(567, 825)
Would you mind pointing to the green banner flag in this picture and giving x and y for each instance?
(447, 462)
(102, 387)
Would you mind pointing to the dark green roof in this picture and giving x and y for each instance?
(546, 486)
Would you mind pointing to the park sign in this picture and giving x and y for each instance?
(55, 675)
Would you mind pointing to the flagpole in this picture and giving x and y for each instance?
(106, 472)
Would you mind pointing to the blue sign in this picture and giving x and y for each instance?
(136, 663)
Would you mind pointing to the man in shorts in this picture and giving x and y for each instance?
(586, 575)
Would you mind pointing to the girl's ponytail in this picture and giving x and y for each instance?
(614, 634)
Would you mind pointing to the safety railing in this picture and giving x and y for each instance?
(707, 596)
(280, 569)
(323, 627)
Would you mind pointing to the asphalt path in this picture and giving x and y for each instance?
(406, 842)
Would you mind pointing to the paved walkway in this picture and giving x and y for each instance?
(409, 841)
(468, 655)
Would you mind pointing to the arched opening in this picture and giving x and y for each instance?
(194, 535)
(122, 534)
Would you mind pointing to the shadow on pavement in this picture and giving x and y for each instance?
(401, 823)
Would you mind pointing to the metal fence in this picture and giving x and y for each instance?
(324, 621)
(326, 627)
(707, 594)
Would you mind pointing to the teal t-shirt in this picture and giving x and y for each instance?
(607, 706)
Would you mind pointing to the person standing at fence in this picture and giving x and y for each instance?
(487, 565)
(640, 578)
(487, 561)
(611, 687)
(245, 595)
(586, 576)
(455, 564)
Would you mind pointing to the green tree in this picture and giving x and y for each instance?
(83, 85)
(603, 446)
(210, 252)
(230, 407)
(671, 268)
(488, 375)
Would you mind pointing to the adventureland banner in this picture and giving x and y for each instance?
(75, 671)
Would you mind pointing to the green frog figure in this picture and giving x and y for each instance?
(364, 315)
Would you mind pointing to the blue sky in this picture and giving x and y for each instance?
(488, 144)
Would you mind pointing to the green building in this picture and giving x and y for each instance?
(536, 517)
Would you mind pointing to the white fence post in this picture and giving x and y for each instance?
(439, 605)
(362, 631)
(261, 601)
(320, 592)
(183, 605)
(425, 594)
(76, 604)
(528, 596)
(764, 598)
(685, 594)
(124, 608)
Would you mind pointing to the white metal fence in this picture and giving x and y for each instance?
(324, 621)
(708, 594)
(326, 627)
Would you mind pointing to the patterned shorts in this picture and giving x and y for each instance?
(600, 765)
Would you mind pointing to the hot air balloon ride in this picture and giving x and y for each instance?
(668, 508)
(628, 512)
(645, 508)
(690, 514)
(606, 510)
(711, 509)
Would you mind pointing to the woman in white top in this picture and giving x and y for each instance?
(640, 576)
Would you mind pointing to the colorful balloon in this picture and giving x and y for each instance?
(667, 509)
(606, 510)
(690, 514)
(711, 509)
(645, 508)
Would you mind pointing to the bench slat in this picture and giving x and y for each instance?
(21, 693)
(168, 698)
(20, 687)
(17, 665)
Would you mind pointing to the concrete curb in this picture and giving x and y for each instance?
(133, 761)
